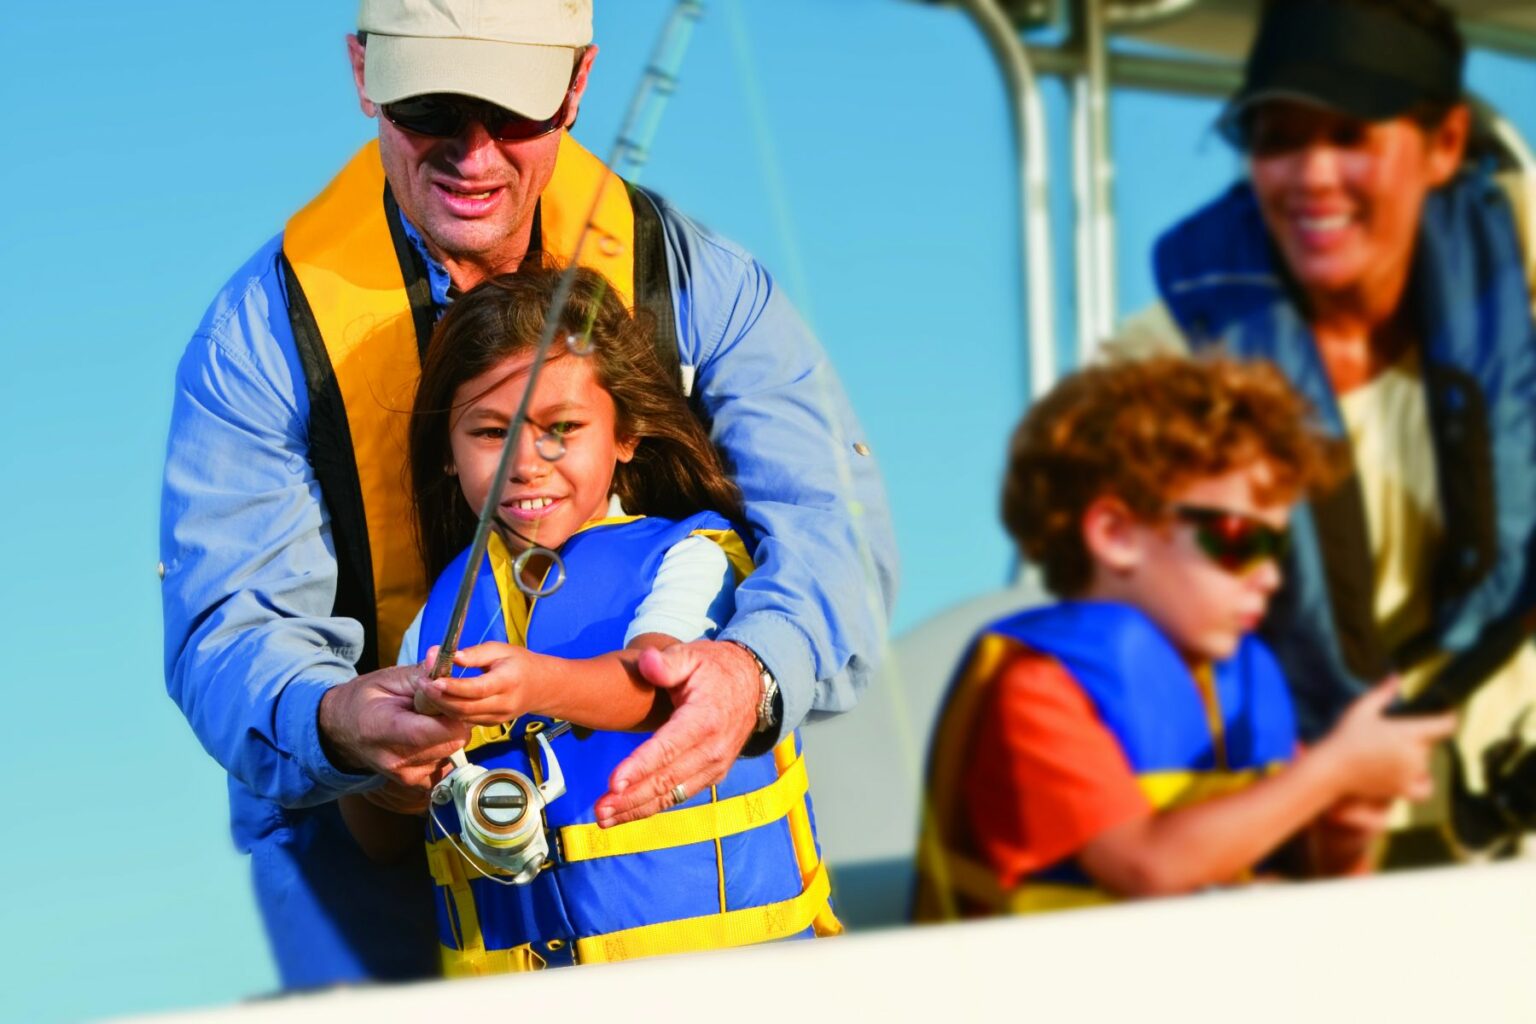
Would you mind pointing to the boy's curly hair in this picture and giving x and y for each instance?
(1139, 430)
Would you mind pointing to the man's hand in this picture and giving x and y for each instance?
(398, 799)
(715, 688)
(370, 724)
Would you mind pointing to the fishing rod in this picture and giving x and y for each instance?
(630, 151)
(499, 810)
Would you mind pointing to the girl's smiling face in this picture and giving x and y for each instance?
(543, 500)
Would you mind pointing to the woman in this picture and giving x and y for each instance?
(1392, 285)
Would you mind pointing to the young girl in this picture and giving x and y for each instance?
(613, 473)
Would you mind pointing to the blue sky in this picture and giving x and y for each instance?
(157, 145)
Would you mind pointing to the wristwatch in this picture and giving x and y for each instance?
(768, 703)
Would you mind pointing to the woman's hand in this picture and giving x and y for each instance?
(506, 688)
(1377, 758)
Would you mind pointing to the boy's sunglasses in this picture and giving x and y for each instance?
(1234, 541)
(442, 115)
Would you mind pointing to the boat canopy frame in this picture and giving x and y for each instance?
(1190, 47)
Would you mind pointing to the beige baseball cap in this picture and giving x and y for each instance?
(517, 54)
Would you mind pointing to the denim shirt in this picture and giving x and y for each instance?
(250, 572)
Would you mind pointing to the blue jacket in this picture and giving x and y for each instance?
(749, 869)
(1225, 286)
(251, 644)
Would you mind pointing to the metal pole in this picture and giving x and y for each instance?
(1034, 210)
(1093, 177)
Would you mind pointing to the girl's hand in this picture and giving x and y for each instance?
(1378, 758)
(505, 690)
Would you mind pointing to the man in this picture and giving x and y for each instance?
(290, 572)
(1393, 286)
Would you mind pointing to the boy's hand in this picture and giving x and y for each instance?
(1377, 758)
(500, 694)
(1358, 816)
(1343, 837)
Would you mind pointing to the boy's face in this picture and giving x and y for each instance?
(1204, 578)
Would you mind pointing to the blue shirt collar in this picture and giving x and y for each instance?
(437, 274)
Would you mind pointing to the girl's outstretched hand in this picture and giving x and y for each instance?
(501, 693)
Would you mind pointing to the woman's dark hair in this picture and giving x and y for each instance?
(675, 471)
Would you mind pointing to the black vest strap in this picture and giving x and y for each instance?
(413, 269)
(1344, 541)
(653, 284)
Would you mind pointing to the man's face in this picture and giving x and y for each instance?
(471, 197)
(1342, 197)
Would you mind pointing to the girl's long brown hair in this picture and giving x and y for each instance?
(675, 472)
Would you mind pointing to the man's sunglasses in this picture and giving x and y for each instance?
(444, 115)
(1234, 541)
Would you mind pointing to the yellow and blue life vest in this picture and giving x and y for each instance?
(734, 865)
(1188, 736)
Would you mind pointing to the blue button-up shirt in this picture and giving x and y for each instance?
(251, 644)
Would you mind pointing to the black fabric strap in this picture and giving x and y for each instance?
(1464, 461)
(653, 284)
(413, 269)
(1344, 543)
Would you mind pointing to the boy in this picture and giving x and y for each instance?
(1133, 739)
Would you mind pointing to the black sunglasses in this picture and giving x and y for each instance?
(443, 115)
(1234, 541)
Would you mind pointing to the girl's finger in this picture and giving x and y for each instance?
(452, 688)
(492, 708)
(481, 655)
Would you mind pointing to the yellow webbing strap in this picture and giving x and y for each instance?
(687, 825)
(1210, 699)
(735, 551)
(951, 745)
(459, 964)
(447, 870)
(516, 608)
(1166, 791)
(977, 883)
(804, 839)
(714, 931)
(344, 257)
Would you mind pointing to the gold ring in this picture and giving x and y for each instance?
(679, 794)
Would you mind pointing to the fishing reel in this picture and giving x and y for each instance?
(500, 810)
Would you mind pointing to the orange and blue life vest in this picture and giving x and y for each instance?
(1189, 735)
(734, 865)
